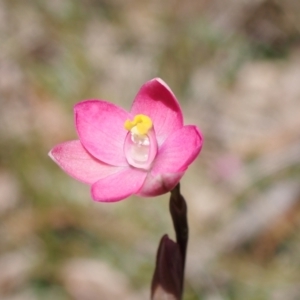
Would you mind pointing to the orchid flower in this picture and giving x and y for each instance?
(142, 152)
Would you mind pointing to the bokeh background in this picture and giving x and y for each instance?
(235, 68)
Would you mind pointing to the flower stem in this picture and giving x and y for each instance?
(178, 210)
(168, 277)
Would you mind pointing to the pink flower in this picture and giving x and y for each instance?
(143, 152)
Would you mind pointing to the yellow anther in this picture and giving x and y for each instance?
(142, 124)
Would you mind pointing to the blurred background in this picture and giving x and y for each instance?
(235, 68)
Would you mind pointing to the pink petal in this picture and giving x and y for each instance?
(159, 184)
(100, 126)
(178, 151)
(156, 100)
(78, 163)
(119, 185)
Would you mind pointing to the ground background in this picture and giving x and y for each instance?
(235, 68)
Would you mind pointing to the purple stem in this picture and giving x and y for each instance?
(168, 277)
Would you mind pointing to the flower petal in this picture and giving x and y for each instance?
(156, 100)
(78, 163)
(178, 151)
(119, 185)
(159, 184)
(100, 126)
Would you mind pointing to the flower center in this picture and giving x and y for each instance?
(141, 124)
(140, 145)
